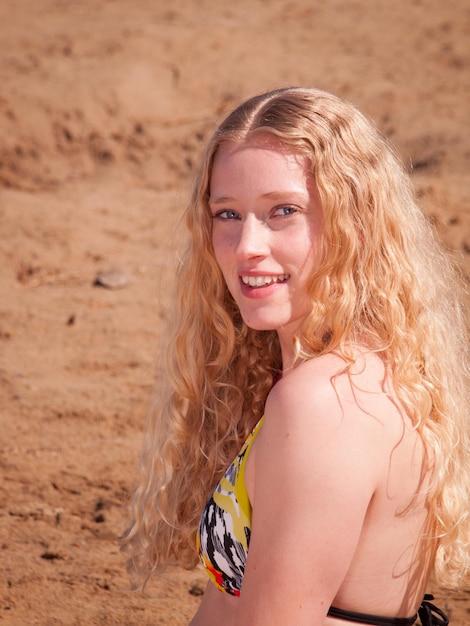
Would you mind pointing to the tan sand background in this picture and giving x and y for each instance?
(104, 105)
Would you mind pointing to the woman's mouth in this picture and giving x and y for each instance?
(263, 281)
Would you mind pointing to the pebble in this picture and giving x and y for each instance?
(112, 279)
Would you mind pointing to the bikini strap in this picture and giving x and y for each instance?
(374, 620)
(430, 615)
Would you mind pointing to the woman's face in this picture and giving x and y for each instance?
(267, 225)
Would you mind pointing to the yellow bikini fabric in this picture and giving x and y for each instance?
(225, 526)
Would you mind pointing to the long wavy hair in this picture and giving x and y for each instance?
(382, 280)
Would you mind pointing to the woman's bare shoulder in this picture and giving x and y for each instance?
(331, 373)
(329, 393)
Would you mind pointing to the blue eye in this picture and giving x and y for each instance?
(285, 210)
(226, 214)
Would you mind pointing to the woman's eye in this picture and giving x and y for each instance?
(226, 214)
(285, 210)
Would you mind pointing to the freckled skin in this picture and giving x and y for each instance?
(267, 222)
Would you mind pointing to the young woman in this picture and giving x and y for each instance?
(313, 442)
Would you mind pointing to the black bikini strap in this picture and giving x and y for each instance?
(374, 620)
(430, 615)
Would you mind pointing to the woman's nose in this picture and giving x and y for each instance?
(253, 239)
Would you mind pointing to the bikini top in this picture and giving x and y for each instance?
(223, 539)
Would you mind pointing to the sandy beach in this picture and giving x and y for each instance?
(104, 108)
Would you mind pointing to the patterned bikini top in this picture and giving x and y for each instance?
(225, 526)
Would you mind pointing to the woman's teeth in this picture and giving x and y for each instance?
(263, 281)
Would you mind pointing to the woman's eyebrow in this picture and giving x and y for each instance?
(279, 195)
(221, 200)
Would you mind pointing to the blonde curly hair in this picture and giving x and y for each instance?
(382, 279)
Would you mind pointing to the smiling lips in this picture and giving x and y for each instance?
(263, 281)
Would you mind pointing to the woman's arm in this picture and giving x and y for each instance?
(316, 469)
(216, 609)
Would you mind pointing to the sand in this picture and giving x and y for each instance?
(104, 106)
